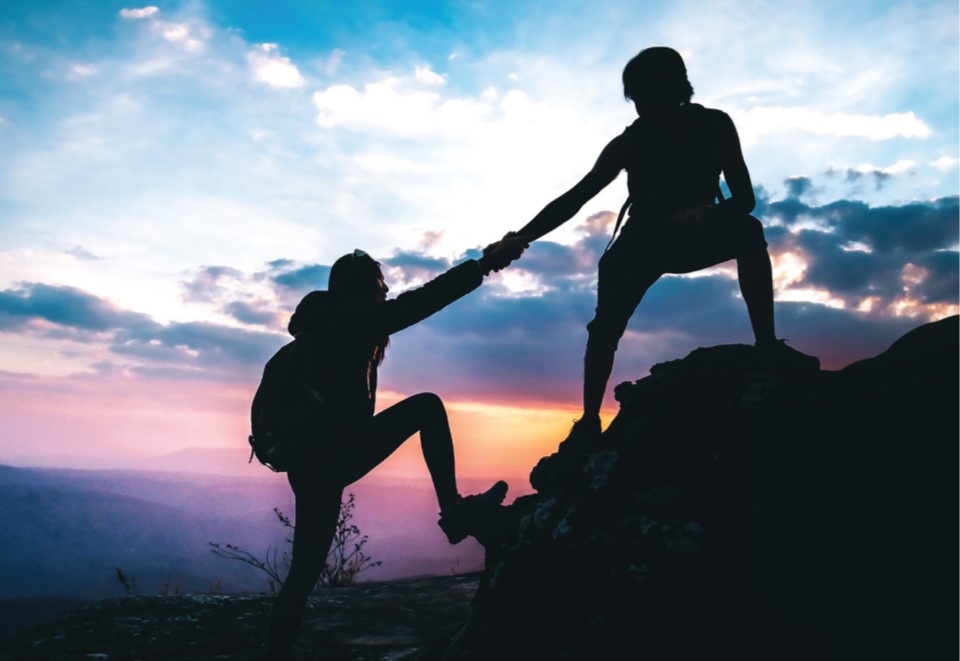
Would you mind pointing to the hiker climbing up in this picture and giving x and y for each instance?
(678, 220)
(313, 414)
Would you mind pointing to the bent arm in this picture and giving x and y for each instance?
(735, 171)
(563, 208)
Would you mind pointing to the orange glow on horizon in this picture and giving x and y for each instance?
(493, 440)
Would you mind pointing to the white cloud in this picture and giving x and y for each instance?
(332, 64)
(899, 167)
(397, 105)
(273, 69)
(945, 163)
(182, 33)
(778, 119)
(143, 12)
(176, 32)
(191, 37)
(388, 164)
(428, 77)
(83, 70)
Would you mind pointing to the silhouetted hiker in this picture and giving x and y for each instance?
(674, 154)
(341, 336)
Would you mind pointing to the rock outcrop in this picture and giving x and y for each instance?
(731, 512)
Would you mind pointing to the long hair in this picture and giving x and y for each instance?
(353, 279)
(657, 76)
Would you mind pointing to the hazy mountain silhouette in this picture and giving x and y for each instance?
(65, 531)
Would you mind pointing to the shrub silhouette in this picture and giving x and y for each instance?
(345, 559)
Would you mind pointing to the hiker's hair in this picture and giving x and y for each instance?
(352, 279)
(657, 76)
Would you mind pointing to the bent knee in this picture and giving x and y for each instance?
(429, 401)
(603, 334)
(751, 233)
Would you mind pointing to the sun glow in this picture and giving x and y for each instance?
(492, 440)
(788, 269)
(812, 295)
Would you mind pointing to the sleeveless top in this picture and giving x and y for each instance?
(673, 161)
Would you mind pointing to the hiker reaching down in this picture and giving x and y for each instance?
(329, 374)
(679, 222)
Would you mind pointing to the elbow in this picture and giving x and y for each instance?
(746, 201)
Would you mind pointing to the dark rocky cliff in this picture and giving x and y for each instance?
(731, 512)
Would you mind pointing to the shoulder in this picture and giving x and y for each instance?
(630, 132)
(714, 117)
(616, 151)
(311, 313)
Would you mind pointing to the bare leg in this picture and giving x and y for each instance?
(318, 508)
(319, 495)
(386, 431)
(756, 285)
(620, 288)
(597, 366)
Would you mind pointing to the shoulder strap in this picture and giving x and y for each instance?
(623, 211)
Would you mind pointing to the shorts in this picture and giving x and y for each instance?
(645, 251)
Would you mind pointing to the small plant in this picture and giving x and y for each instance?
(130, 585)
(216, 589)
(345, 560)
(171, 589)
(274, 564)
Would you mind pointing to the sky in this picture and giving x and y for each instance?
(175, 176)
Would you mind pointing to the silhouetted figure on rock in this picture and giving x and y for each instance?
(674, 154)
(341, 336)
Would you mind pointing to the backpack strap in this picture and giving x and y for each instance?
(623, 212)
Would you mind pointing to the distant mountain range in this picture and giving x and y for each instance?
(66, 531)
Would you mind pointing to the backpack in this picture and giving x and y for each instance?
(288, 414)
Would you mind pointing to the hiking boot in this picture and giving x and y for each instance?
(463, 517)
(584, 435)
(778, 356)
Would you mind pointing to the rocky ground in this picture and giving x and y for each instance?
(735, 509)
(393, 620)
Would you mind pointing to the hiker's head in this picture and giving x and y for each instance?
(656, 77)
(357, 275)
(356, 279)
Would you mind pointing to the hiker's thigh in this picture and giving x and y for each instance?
(724, 237)
(626, 272)
(367, 445)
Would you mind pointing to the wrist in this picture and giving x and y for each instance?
(485, 265)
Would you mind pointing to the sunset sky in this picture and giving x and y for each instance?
(174, 177)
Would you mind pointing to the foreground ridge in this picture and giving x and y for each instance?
(731, 512)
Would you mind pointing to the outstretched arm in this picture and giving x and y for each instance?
(563, 208)
(417, 304)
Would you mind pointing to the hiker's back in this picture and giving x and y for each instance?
(674, 160)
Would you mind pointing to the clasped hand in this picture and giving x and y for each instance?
(501, 253)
